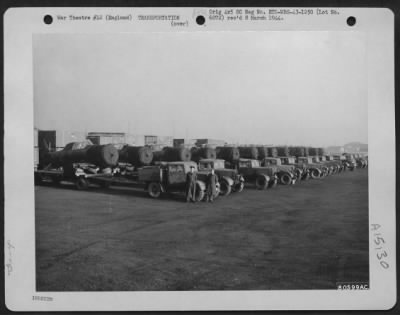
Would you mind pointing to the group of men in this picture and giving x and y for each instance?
(211, 183)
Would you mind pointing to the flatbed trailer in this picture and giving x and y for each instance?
(81, 177)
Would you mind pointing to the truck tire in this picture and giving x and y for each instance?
(82, 183)
(238, 187)
(225, 188)
(154, 190)
(315, 173)
(262, 182)
(285, 179)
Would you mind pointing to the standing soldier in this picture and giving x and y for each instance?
(212, 181)
(191, 185)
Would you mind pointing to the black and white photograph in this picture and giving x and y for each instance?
(187, 161)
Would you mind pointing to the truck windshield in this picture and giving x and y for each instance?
(255, 163)
(219, 164)
(205, 165)
(243, 164)
(270, 162)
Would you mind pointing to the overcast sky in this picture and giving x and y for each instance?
(305, 88)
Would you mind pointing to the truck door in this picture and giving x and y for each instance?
(176, 174)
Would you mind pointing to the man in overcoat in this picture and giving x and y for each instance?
(191, 178)
(212, 181)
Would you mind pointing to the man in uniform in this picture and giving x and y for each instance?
(191, 178)
(212, 181)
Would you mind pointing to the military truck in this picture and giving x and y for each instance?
(337, 164)
(263, 176)
(286, 173)
(361, 161)
(349, 161)
(326, 169)
(229, 179)
(301, 170)
(342, 160)
(170, 177)
(315, 169)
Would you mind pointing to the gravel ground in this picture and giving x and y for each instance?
(308, 236)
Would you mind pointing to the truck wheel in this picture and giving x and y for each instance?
(82, 183)
(238, 187)
(315, 173)
(225, 188)
(285, 179)
(262, 182)
(154, 190)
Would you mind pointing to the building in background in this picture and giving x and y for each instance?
(184, 142)
(210, 142)
(106, 137)
(334, 150)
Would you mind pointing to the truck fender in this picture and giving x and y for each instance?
(227, 179)
(201, 184)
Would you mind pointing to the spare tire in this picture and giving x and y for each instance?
(171, 154)
(203, 153)
(230, 154)
(102, 155)
(137, 156)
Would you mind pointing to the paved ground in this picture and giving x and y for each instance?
(306, 236)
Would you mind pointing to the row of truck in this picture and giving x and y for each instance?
(165, 171)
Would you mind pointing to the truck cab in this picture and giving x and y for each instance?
(229, 179)
(171, 177)
(264, 176)
(286, 173)
(349, 161)
(314, 168)
(300, 170)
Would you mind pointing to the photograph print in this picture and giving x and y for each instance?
(189, 161)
